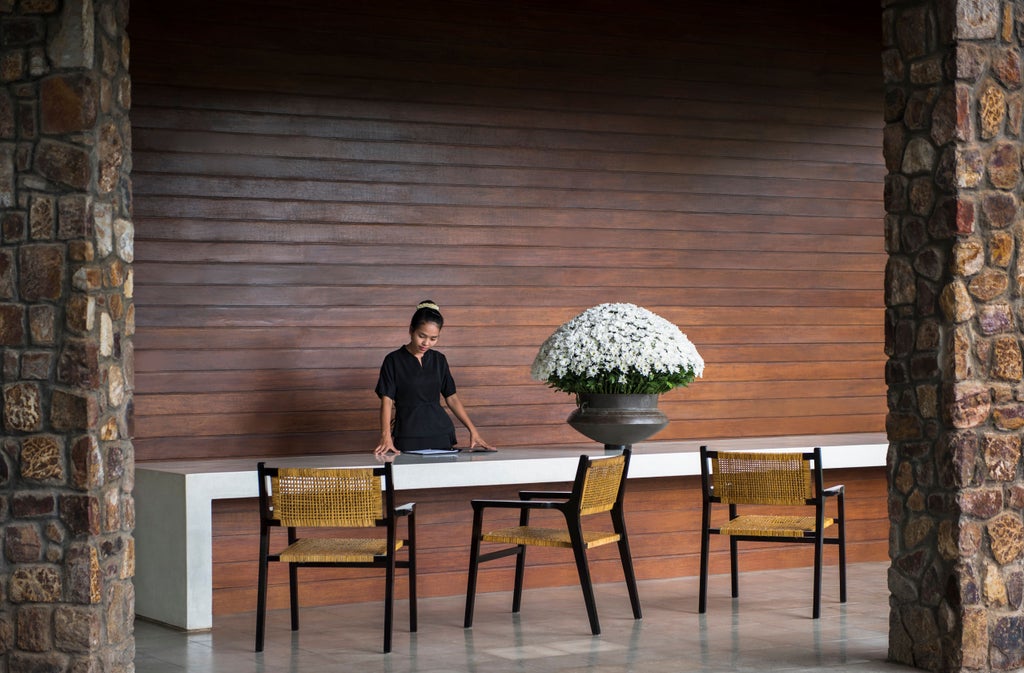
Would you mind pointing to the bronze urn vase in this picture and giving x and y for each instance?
(617, 420)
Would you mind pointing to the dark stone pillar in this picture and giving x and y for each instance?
(66, 317)
(953, 111)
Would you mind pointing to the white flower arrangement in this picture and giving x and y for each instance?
(617, 348)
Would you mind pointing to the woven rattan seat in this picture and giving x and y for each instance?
(547, 537)
(345, 499)
(785, 526)
(331, 550)
(771, 484)
(599, 487)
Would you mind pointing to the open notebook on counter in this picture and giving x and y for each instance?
(445, 452)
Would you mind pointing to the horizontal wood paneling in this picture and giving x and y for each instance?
(304, 172)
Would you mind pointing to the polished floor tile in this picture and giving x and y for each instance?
(769, 628)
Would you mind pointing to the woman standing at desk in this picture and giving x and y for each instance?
(412, 381)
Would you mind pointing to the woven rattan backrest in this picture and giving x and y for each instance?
(326, 497)
(762, 478)
(601, 484)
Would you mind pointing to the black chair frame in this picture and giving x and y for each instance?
(389, 561)
(816, 537)
(568, 504)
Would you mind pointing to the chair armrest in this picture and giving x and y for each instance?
(515, 504)
(838, 489)
(529, 495)
(405, 510)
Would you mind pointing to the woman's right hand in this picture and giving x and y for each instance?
(386, 447)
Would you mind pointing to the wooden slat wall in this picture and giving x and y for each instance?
(305, 172)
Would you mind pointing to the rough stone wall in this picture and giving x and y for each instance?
(953, 111)
(66, 247)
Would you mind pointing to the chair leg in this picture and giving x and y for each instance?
(734, 566)
(705, 541)
(293, 585)
(293, 592)
(389, 598)
(517, 589)
(413, 620)
(627, 565)
(627, 572)
(261, 592)
(474, 566)
(842, 550)
(817, 574)
(585, 584)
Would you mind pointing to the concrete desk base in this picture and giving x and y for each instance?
(173, 500)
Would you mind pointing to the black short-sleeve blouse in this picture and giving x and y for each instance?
(417, 389)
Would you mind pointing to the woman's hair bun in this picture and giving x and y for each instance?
(426, 311)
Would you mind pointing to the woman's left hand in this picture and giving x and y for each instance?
(476, 440)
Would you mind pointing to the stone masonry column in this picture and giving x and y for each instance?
(954, 107)
(66, 317)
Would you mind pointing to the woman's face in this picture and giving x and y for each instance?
(424, 337)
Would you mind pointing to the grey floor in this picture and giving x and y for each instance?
(769, 628)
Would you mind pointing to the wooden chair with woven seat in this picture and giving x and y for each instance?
(756, 480)
(599, 487)
(346, 499)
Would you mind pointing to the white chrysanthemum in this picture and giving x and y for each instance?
(617, 342)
